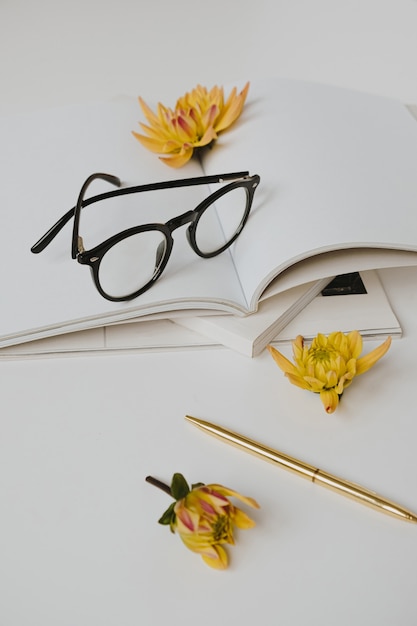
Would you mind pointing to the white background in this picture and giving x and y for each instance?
(79, 542)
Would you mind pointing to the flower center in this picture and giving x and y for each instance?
(222, 529)
(321, 355)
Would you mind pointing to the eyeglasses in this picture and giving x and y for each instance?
(128, 263)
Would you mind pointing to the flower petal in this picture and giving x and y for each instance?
(304, 382)
(178, 160)
(209, 116)
(154, 145)
(314, 384)
(282, 362)
(330, 400)
(242, 520)
(232, 109)
(149, 114)
(186, 128)
(331, 378)
(225, 491)
(355, 343)
(186, 521)
(366, 362)
(209, 136)
(217, 559)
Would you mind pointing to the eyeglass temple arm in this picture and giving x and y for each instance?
(46, 239)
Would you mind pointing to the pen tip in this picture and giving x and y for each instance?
(192, 419)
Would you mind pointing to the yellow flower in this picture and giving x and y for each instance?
(329, 365)
(195, 122)
(205, 518)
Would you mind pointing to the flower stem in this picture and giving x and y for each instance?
(157, 483)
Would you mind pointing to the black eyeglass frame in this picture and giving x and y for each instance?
(94, 256)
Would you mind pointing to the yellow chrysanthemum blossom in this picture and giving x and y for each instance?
(195, 122)
(204, 517)
(205, 520)
(329, 365)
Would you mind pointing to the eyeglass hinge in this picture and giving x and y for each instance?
(80, 245)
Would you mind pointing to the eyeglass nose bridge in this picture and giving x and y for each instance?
(180, 220)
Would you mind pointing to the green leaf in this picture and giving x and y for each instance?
(179, 487)
(168, 517)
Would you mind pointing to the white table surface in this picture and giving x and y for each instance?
(79, 542)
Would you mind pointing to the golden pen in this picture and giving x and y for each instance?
(344, 487)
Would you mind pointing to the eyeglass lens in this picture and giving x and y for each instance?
(131, 263)
(221, 220)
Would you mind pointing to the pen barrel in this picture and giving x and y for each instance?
(269, 454)
(278, 458)
(361, 494)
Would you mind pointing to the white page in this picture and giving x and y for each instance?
(340, 262)
(120, 338)
(337, 170)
